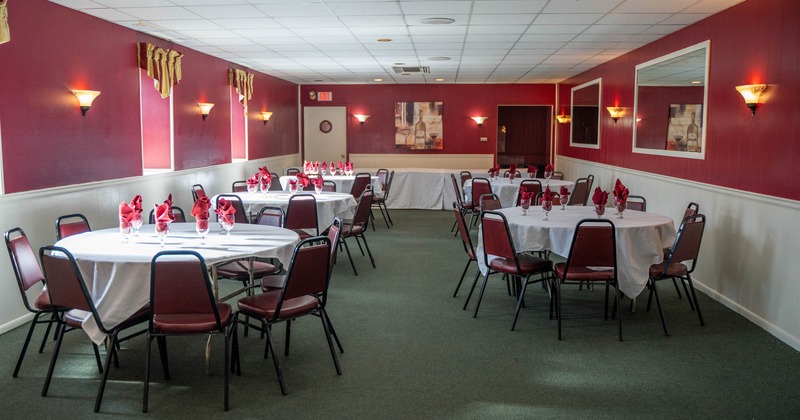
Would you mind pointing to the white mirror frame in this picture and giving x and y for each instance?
(676, 153)
(599, 83)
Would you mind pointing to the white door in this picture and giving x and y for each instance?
(325, 133)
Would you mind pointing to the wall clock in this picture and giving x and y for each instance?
(325, 126)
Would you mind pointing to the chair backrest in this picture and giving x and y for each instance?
(301, 213)
(241, 215)
(636, 202)
(692, 209)
(360, 184)
(334, 231)
(490, 202)
(328, 185)
(580, 193)
(465, 175)
(557, 175)
(23, 261)
(71, 224)
(388, 186)
(458, 191)
(594, 244)
(239, 186)
(383, 177)
(180, 285)
(466, 239)
(507, 174)
(555, 199)
(480, 186)
(197, 192)
(292, 171)
(275, 183)
(533, 186)
(308, 272)
(362, 211)
(496, 237)
(687, 242)
(180, 216)
(270, 216)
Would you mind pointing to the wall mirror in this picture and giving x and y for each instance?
(585, 110)
(670, 104)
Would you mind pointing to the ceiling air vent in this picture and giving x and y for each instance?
(412, 70)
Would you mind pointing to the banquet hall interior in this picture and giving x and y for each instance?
(409, 348)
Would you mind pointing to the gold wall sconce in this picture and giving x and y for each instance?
(751, 93)
(479, 120)
(266, 115)
(616, 112)
(361, 118)
(205, 108)
(85, 98)
(563, 119)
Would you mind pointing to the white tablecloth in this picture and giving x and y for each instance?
(118, 274)
(343, 183)
(640, 238)
(507, 189)
(422, 188)
(329, 204)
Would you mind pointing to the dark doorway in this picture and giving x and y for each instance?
(523, 135)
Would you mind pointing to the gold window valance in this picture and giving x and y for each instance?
(5, 32)
(243, 82)
(163, 65)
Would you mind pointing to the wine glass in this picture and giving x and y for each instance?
(621, 205)
(433, 140)
(125, 228)
(162, 228)
(525, 204)
(564, 200)
(227, 223)
(318, 188)
(264, 184)
(599, 209)
(293, 188)
(406, 131)
(547, 175)
(251, 188)
(201, 226)
(547, 206)
(136, 223)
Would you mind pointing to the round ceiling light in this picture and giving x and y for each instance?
(437, 21)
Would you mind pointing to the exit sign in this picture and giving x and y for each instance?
(325, 96)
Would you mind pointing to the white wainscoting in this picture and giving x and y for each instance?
(749, 255)
(410, 160)
(36, 211)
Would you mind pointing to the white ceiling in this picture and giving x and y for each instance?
(336, 41)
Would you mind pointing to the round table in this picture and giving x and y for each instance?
(343, 183)
(507, 189)
(117, 274)
(329, 204)
(641, 237)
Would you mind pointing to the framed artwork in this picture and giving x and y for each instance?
(418, 126)
(684, 129)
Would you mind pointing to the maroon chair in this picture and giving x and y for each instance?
(558, 175)
(241, 215)
(685, 248)
(463, 207)
(182, 302)
(239, 186)
(292, 171)
(692, 209)
(480, 186)
(301, 215)
(275, 183)
(466, 240)
(304, 292)
(68, 290)
(379, 202)
(490, 202)
(180, 216)
(497, 242)
(532, 186)
(360, 183)
(28, 274)
(356, 227)
(197, 192)
(270, 216)
(464, 175)
(580, 192)
(328, 186)
(636, 202)
(71, 224)
(594, 246)
(507, 174)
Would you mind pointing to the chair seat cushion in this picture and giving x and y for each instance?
(264, 305)
(42, 302)
(273, 282)
(302, 233)
(192, 323)
(674, 270)
(581, 273)
(74, 318)
(527, 263)
(237, 270)
(348, 230)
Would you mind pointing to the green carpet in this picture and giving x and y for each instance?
(411, 352)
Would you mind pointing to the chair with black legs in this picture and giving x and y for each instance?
(270, 216)
(28, 273)
(292, 171)
(360, 183)
(458, 190)
(636, 202)
(303, 293)
(71, 224)
(275, 183)
(68, 290)
(379, 202)
(182, 303)
(580, 192)
(557, 175)
(301, 215)
(469, 248)
(533, 186)
(329, 186)
(685, 248)
(197, 192)
(239, 186)
(180, 216)
(241, 215)
(356, 227)
(480, 186)
(592, 259)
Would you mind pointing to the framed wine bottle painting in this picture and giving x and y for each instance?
(685, 128)
(418, 126)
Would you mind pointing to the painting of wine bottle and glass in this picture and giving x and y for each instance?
(418, 126)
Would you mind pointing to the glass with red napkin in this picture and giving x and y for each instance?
(253, 182)
(512, 172)
(599, 198)
(302, 181)
(547, 202)
(293, 186)
(340, 167)
(524, 200)
(126, 216)
(136, 203)
(532, 170)
(317, 181)
(548, 171)
(564, 197)
(266, 179)
(163, 216)
(227, 215)
(200, 213)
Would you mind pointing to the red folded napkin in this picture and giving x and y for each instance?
(564, 192)
(263, 171)
(136, 203)
(600, 197)
(324, 166)
(349, 166)
(620, 191)
(512, 171)
(524, 195)
(200, 208)
(302, 179)
(254, 180)
(340, 165)
(225, 210)
(126, 213)
(532, 169)
(317, 181)
(547, 195)
(548, 168)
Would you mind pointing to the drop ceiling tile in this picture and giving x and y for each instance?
(505, 6)
(78, 4)
(492, 38)
(632, 18)
(344, 41)
(199, 2)
(662, 29)
(159, 13)
(364, 8)
(378, 31)
(189, 25)
(639, 6)
(265, 33)
(374, 21)
(110, 15)
(555, 29)
(616, 29)
(437, 30)
(600, 38)
(711, 6)
(302, 22)
(435, 8)
(567, 19)
(496, 29)
(685, 18)
(295, 9)
(500, 19)
(224, 42)
(434, 39)
(248, 23)
(215, 34)
(416, 20)
(139, 3)
(556, 38)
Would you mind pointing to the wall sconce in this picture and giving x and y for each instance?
(205, 108)
(479, 120)
(751, 94)
(563, 119)
(616, 112)
(85, 98)
(266, 115)
(361, 118)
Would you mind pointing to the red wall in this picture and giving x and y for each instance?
(462, 135)
(757, 41)
(280, 136)
(155, 125)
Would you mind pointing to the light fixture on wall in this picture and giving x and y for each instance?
(205, 108)
(266, 115)
(85, 98)
(479, 120)
(361, 118)
(563, 119)
(750, 93)
(616, 112)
